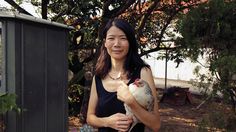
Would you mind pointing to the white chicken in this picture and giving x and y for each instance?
(143, 95)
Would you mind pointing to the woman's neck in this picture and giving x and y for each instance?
(117, 66)
(117, 71)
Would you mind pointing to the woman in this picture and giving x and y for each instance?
(119, 65)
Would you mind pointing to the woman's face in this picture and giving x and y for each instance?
(116, 43)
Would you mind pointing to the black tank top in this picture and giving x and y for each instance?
(108, 104)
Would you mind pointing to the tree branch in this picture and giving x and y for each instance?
(115, 12)
(122, 9)
(44, 9)
(169, 21)
(145, 17)
(17, 7)
(157, 49)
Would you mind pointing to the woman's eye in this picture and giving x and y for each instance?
(124, 38)
(110, 38)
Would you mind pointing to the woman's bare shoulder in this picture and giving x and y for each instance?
(146, 70)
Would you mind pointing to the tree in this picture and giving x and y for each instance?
(152, 19)
(154, 22)
(210, 29)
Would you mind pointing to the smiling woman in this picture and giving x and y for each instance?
(118, 66)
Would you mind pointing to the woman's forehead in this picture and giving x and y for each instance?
(115, 31)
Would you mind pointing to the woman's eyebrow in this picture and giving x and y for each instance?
(111, 35)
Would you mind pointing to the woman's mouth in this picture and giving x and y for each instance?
(116, 51)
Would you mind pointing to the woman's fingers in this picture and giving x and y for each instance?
(123, 122)
(123, 125)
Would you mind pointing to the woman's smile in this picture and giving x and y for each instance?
(117, 51)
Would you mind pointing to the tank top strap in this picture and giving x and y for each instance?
(99, 86)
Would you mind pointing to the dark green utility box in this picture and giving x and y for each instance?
(34, 67)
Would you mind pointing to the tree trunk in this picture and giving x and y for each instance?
(44, 9)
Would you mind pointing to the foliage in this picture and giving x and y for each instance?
(75, 99)
(153, 20)
(7, 103)
(75, 93)
(203, 81)
(209, 30)
(222, 119)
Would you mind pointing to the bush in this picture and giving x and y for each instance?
(219, 118)
(8, 103)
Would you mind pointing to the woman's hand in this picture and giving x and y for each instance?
(124, 94)
(120, 122)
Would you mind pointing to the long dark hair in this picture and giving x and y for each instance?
(133, 61)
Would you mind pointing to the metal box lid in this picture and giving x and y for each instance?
(6, 14)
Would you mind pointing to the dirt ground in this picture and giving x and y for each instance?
(181, 118)
(174, 118)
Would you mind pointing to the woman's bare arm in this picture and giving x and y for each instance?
(150, 119)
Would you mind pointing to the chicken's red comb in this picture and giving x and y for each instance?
(136, 82)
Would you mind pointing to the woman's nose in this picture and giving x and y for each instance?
(116, 42)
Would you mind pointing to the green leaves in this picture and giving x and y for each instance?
(8, 103)
(210, 29)
(211, 23)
